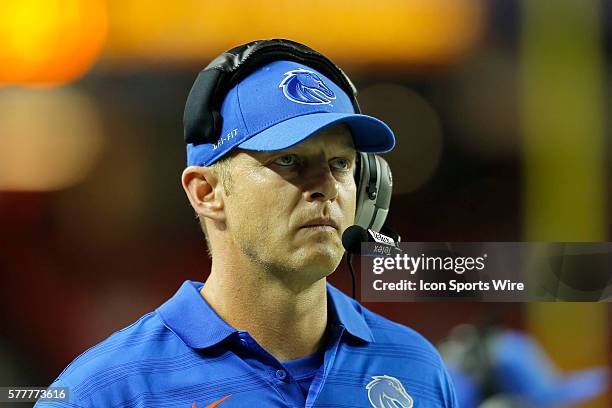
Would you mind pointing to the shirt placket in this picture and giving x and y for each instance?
(272, 370)
(330, 356)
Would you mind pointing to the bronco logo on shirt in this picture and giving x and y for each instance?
(388, 392)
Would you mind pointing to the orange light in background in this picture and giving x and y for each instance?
(50, 42)
(50, 139)
(356, 31)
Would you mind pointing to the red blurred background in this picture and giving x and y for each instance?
(500, 108)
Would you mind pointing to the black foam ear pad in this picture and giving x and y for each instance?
(199, 122)
(372, 187)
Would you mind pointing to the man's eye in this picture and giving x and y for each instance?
(286, 160)
(341, 164)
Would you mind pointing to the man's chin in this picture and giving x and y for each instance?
(322, 258)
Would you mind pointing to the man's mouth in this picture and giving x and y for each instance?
(321, 223)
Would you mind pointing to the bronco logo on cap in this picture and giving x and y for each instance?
(303, 86)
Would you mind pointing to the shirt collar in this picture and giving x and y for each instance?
(194, 321)
(347, 312)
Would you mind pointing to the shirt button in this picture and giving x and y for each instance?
(281, 374)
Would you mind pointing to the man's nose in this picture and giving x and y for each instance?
(320, 184)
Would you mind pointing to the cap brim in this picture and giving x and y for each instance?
(370, 135)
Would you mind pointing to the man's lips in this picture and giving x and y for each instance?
(321, 222)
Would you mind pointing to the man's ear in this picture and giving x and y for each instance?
(205, 192)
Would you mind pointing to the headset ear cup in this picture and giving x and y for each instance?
(385, 191)
(374, 189)
(200, 120)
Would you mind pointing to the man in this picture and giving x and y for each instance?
(273, 194)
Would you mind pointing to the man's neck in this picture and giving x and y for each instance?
(288, 325)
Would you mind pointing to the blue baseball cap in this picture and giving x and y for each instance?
(280, 105)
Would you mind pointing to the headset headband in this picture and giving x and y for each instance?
(202, 120)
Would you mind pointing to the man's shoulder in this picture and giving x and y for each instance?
(402, 353)
(140, 338)
(386, 331)
(142, 346)
(392, 338)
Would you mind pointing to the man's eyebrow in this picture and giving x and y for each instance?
(343, 149)
(347, 150)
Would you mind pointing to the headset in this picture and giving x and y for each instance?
(202, 119)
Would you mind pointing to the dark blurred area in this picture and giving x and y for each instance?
(95, 229)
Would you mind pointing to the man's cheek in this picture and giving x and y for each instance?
(349, 206)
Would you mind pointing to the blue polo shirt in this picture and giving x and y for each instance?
(184, 355)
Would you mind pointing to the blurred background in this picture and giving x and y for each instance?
(501, 110)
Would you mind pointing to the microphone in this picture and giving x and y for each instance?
(355, 235)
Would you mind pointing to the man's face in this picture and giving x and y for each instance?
(287, 209)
